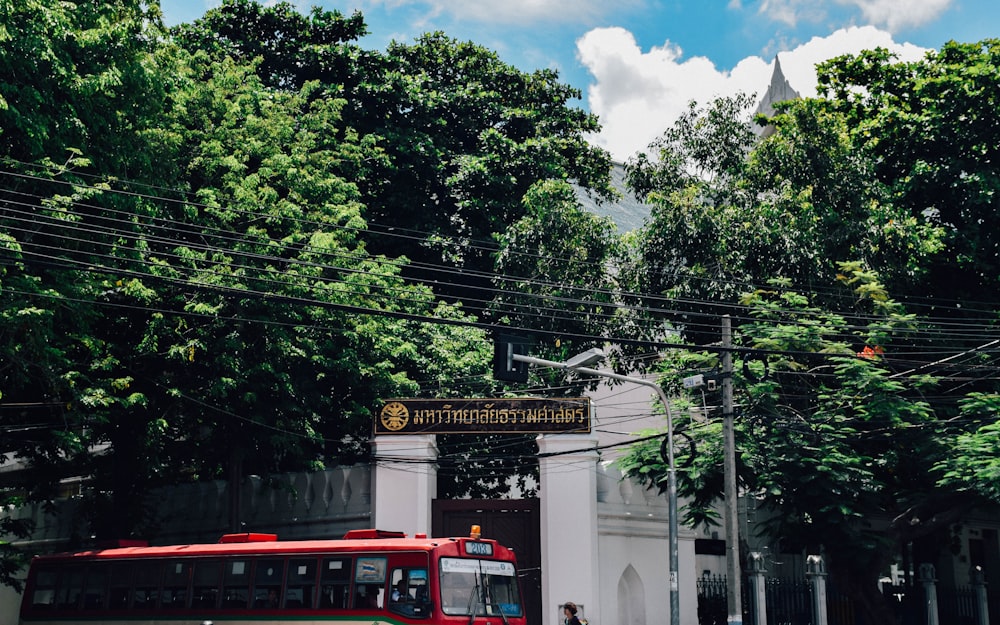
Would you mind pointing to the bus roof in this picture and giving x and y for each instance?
(267, 544)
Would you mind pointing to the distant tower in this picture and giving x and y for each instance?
(778, 91)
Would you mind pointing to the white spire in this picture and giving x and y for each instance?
(778, 91)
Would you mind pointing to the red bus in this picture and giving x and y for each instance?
(368, 577)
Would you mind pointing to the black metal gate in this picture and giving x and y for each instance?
(789, 602)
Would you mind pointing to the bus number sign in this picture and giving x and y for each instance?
(479, 549)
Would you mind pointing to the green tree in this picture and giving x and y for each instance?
(13, 559)
(465, 134)
(974, 462)
(298, 335)
(78, 76)
(553, 267)
(468, 136)
(928, 130)
(465, 138)
(837, 449)
(691, 181)
(78, 92)
(729, 209)
(888, 169)
(219, 300)
(580, 302)
(290, 48)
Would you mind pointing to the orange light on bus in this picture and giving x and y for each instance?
(476, 532)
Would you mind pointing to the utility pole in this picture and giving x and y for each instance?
(733, 576)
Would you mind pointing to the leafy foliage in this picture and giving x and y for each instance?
(974, 463)
(470, 153)
(193, 286)
(725, 215)
(830, 439)
(506, 131)
(465, 135)
(557, 254)
(881, 185)
(928, 128)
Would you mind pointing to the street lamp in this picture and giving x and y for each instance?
(582, 363)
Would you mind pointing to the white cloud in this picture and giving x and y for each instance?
(791, 12)
(898, 14)
(638, 95)
(516, 11)
(799, 64)
(893, 15)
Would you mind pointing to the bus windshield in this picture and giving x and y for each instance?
(480, 587)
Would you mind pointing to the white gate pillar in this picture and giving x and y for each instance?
(758, 588)
(982, 599)
(568, 506)
(927, 577)
(404, 482)
(816, 572)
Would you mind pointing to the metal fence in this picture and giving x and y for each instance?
(959, 606)
(789, 602)
(713, 607)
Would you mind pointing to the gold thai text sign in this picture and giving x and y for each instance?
(521, 415)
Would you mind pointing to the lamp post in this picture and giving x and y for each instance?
(582, 363)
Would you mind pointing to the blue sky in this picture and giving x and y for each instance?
(638, 63)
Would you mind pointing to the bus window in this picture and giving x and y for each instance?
(176, 576)
(267, 583)
(301, 583)
(148, 575)
(367, 597)
(408, 595)
(458, 592)
(69, 589)
(95, 587)
(369, 579)
(43, 595)
(335, 583)
(236, 584)
(205, 589)
(121, 579)
(481, 587)
(502, 594)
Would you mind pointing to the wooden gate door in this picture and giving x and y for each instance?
(514, 523)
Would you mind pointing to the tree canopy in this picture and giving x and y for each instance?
(869, 432)
(465, 134)
(226, 242)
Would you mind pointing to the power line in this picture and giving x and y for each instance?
(250, 255)
(441, 268)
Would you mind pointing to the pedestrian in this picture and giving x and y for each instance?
(569, 611)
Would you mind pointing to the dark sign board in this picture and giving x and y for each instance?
(521, 415)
